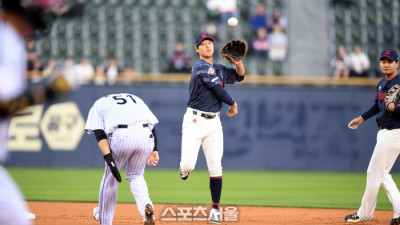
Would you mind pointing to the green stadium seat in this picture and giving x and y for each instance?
(372, 34)
(62, 48)
(94, 47)
(164, 66)
(356, 34)
(355, 13)
(77, 30)
(94, 30)
(388, 35)
(78, 47)
(61, 29)
(91, 13)
(127, 14)
(146, 65)
(340, 32)
(128, 31)
(339, 14)
(387, 3)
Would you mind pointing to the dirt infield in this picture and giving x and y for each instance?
(66, 213)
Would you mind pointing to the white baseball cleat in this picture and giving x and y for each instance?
(96, 213)
(215, 216)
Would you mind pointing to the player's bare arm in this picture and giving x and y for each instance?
(239, 68)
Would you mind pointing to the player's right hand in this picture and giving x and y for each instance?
(355, 123)
(232, 111)
(113, 167)
(153, 159)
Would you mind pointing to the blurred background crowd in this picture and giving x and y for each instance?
(119, 39)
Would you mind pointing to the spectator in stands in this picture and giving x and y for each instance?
(84, 71)
(179, 62)
(127, 76)
(112, 71)
(277, 18)
(278, 50)
(359, 63)
(341, 63)
(100, 76)
(259, 20)
(68, 69)
(50, 67)
(35, 74)
(261, 44)
(31, 54)
(224, 8)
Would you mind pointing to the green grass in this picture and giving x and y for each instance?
(253, 188)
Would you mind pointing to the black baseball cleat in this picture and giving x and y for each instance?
(352, 218)
(395, 221)
(149, 220)
(183, 175)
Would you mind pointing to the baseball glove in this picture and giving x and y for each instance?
(393, 95)
(234, 50)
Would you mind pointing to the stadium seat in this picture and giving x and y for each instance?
(93, 30)
(62, 48)
(78, 47)
(94, 47)
(388, 35)
(355, 13)
(356, 34)
(127, 14)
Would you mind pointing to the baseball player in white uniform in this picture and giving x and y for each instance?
(124, 129)
(387, 146)
(18, 21)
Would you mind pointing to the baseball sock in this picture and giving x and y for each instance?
(215, 188)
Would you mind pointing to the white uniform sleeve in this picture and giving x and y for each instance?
(94, 120)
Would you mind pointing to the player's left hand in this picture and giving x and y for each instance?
(153, 159)
(232, 111)
(113, 166)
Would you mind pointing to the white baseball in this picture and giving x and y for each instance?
(233, 21)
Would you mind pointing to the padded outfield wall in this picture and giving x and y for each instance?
(279, 127)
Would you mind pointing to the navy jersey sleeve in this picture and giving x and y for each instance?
(210, 78)
(231, 75)
(374, 109)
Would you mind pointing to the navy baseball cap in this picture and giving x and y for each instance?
(201, 37)
(389, 53)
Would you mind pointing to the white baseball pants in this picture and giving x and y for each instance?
(13, 208)
(132, 146)
(198, 131)
(386, 150)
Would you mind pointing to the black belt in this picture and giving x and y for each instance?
(207, 116)
(126, 126)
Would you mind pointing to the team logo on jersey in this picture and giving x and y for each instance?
(194, 120)
(211, 71)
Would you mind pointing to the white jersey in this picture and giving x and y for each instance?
(12, 74)
(118, 109)
(13, 83)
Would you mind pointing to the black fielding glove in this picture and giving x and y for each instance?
(113, 167)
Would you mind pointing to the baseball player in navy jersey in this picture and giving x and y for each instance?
(124, 128)
(387, 146)
(201, 122)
